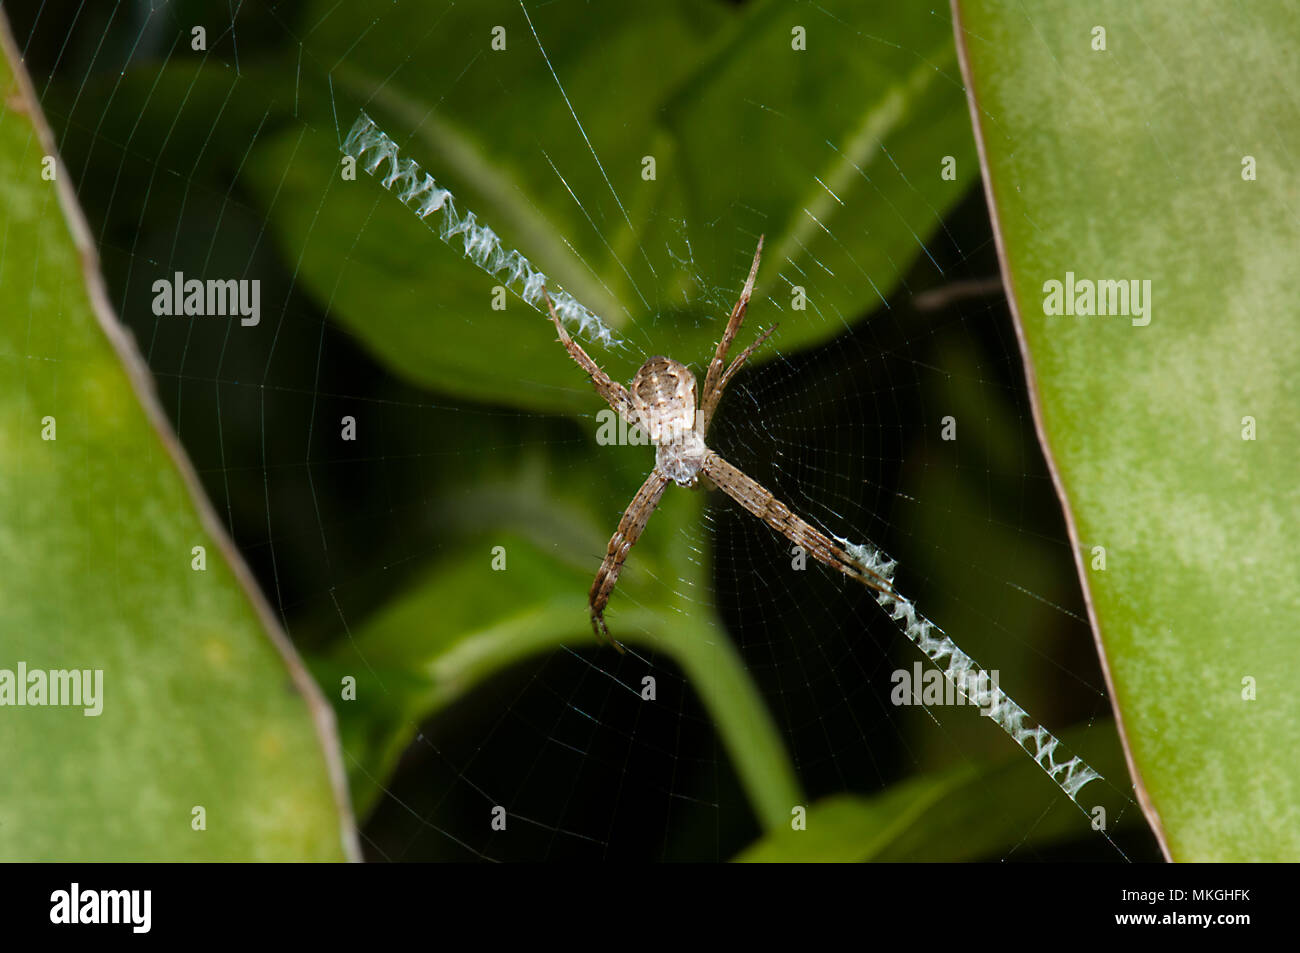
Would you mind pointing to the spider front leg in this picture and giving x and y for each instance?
(715, 381)
(615, 394)
(629, 531)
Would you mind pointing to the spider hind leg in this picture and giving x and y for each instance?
(620, 544)
(599, 627)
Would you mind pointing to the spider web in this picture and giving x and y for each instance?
(170, 147)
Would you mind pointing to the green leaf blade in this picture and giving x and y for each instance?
(1127, 164)
(204, 704)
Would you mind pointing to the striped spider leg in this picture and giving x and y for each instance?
(661, 398)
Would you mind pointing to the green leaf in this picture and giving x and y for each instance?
(846, 829)
(973, 811)
(663, 262)
(204, 702)
(461, 621)
(1128, 164)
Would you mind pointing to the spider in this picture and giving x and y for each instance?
(661, 398)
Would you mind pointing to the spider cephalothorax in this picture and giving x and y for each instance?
(661, 399)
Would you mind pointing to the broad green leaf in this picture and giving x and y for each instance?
(973, 811)
(834, 151)
(1166, 158)
(461, 621)
(204, 702)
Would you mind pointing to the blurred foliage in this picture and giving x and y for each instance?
(470, 626)
(1146, 423)
(197, 707)
(661, 262)
(963, 813)
(475, 430)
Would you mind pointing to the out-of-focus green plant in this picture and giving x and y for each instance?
(871, 118)
(670, 83)
(854, 132)
(834, 151)
(964, 813)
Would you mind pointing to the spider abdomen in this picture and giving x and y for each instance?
(682, 460)
(663, 394)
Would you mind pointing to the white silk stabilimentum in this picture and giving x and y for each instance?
(971, 680)
(417, 190)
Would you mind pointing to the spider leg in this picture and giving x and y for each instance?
(759, 501)
(714, 375)
(615, 394)
(711, 400)
(629, 531)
